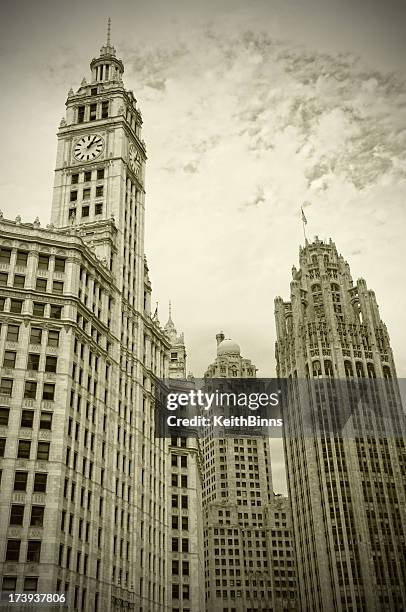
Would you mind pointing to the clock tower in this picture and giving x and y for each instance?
(100, 162)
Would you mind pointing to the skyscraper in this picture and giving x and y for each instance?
(237, 488)
(84, 480)
(346, 460)
(185, 583)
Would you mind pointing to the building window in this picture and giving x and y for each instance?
(3, 278)
(6, 386)
(56, 312)
(45, 420)
(24, 448)
(43, 262)
(98, 209)
(185, 545)
(30, 389)
(100, 174)
(9, 583)
(17, 514)
(51, 363)
(81, 114)
(99, 191)
(19, 281)
(5, 256)
(22, 258)
(20, 481)
(93, 91)
(16, 306)
(4, 414)
(48, 392)
(27, 418)
(36, 335)
(33, 551)
(105, 109)
(33, 361)
(86, 194)
(175, 591)
(87, 177)
(13, 550)
(184, 501)
(37, 516)
(41, 284)
(85, 211)
(43, 451)
(93, 112)
(59, 264)
(2, 446)
(40, 482)
(2, 303)
(53, 338)
(74, 179)
(57, 287)
(31, 584)
(9, 359)
(38, 309)
(183, 460)
(185, 591)
(175, 566)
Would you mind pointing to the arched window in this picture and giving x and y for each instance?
(328, 367)
(314, 260)
(386, 372)
(360, 369)
(316, 368)
(371, 370)
(348, 369)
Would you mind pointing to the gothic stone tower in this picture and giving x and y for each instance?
(347, 489)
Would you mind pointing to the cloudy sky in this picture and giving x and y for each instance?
(250, 108)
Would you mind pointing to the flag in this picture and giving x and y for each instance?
(304, 218)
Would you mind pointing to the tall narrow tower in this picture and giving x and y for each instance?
(237, 489)
(347, 486)
(84, 490)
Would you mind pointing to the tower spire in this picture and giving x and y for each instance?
(108, 32)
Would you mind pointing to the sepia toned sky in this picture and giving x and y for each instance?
(250, 108)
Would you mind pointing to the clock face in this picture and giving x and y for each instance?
(134, 160)
(88, 147)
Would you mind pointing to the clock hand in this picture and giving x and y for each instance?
(90, 143)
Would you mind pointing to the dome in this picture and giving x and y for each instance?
(228, 347)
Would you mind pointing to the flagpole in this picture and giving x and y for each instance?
(304, 223)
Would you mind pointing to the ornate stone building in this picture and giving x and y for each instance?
(177, 360)
(83, 505)
(237, 489)
(185, 475)
(346, 484)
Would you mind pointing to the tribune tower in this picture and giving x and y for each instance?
(346, 485)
